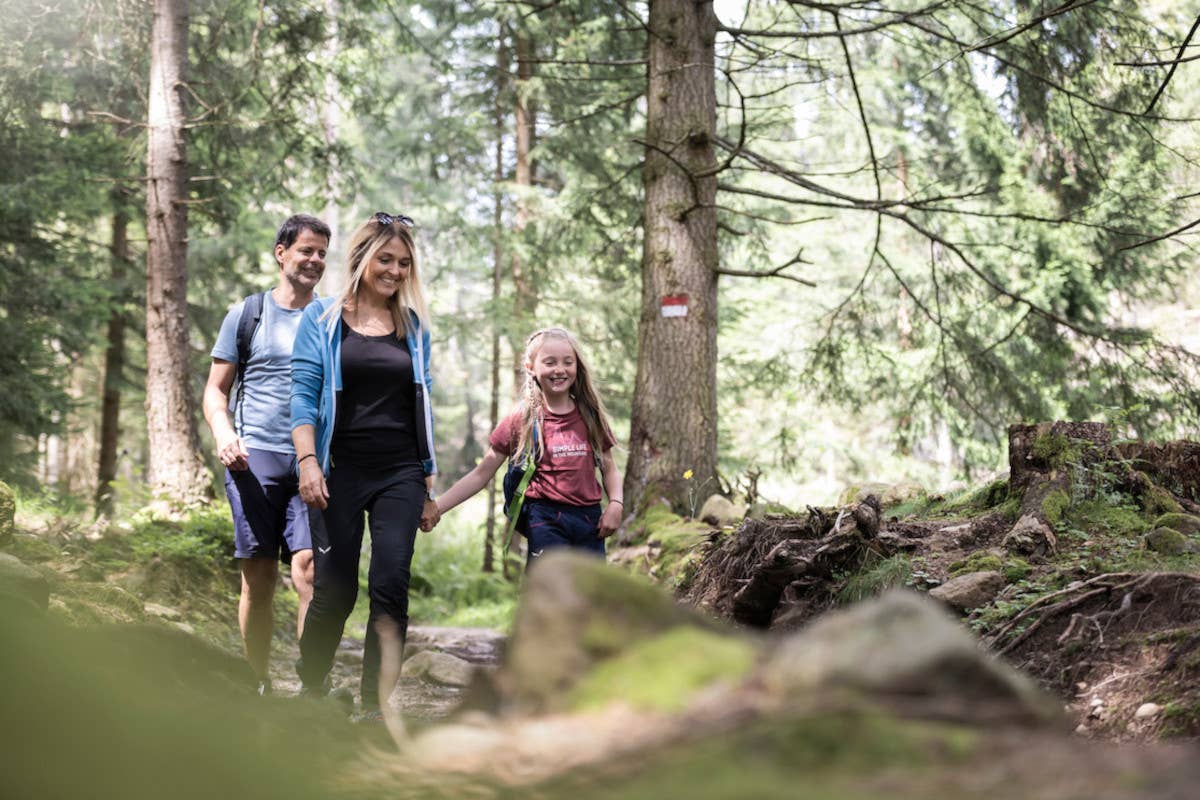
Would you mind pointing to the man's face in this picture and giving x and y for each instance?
(303, 263)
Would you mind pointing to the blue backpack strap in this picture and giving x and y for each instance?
(252, 311)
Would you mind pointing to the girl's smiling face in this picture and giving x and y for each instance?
(390, 266)
(553, 367)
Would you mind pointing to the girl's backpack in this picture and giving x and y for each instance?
(516, 481)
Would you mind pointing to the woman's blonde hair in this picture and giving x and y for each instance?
(364, 244)
(583, 392)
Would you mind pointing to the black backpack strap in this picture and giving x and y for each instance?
(252, 310)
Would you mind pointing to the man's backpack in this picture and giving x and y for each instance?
(252, 311)
(516, 481)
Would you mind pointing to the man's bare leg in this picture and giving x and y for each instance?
(255, 614)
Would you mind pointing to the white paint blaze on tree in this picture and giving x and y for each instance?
(674, 420)
(176, 470)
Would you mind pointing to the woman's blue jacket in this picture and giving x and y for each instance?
(317, 380)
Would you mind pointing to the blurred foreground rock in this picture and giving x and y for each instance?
(23, 583)
(894, 686)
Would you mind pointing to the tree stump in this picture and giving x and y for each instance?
(1044, 460)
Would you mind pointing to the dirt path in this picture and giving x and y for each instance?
(417, 699)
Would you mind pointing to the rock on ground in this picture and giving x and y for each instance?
(440, 668)
(903, 644)
(968, 591)
(720, 511)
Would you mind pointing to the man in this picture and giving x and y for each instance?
(270, 520)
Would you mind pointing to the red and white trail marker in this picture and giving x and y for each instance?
(674, 305)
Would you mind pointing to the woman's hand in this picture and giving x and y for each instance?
(610, 520)
(312, 484)
(430, 515)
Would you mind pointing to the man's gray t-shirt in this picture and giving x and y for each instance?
(264, 421)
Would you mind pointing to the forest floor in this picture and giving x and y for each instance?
(1097, 600)
(1106, 623)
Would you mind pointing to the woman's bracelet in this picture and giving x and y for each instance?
(306, 455)
(617, 500)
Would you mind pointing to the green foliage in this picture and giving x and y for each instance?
(979, 561)
(875, 577)
(1015, 569)
(449, 587)
(200, 540)
(1055, 449)
(1055, 505)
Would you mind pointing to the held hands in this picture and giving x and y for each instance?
(430, 515)
(312, 484)
(610, 519)
(233, 453)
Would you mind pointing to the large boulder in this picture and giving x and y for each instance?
(440, 668)
(1167, 541)
(1187, 524)
(1030, 538)
(8, 512)
(972, 590)
(720, 511)
(576, 612)
(904, 646)
(22, 583)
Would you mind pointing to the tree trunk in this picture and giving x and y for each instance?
(525, 305)
(114, 367)
(330, 111)
(177, 472)
(674, 416)
(489, 538)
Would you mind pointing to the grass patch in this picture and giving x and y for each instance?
(877, 576)
(962, 503)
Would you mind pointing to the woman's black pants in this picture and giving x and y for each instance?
(392, 500)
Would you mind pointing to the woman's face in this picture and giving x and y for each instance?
(390, 266)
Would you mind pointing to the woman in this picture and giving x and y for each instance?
(363, 431)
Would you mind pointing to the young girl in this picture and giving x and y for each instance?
(562, 502)
(363, 432)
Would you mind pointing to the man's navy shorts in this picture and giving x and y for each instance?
(269, 518)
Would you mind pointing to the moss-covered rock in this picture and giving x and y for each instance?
(979, 561)
(1157, 500)
(672, 541)
(1187, 524)
(575, 613)
(1166, 541)
(8, 512)
(663, 673)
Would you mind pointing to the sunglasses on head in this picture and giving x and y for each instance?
(384, 218)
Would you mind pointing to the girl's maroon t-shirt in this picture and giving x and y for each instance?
(567, 471)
